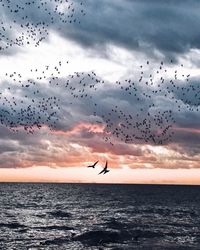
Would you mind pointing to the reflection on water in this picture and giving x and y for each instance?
(89, 216)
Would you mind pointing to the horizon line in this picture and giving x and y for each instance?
(100, 183)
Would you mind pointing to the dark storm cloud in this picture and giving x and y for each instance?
(73, 110)
(168, 26)
(107, 97)
(23, 23)
(73, 106)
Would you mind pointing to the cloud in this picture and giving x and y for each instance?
(30, 22)
(169, 27)
(88, 109)
(95, 117)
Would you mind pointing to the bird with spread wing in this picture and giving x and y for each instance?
(105, 170)
(93, 166)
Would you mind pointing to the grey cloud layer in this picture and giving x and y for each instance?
(73, 110)
(168, 26)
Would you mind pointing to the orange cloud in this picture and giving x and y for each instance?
(79, 127)
(189, 130)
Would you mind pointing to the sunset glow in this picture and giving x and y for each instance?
(101, 89)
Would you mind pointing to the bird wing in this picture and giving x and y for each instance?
(95, 163)
(90, 166)
(102, 171)
(106, 166)
(106, 171)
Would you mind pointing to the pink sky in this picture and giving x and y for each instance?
(146, 176)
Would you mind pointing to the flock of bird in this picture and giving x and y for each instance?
(147, 123)
(136, 117)
(29, 21)
(142, 122)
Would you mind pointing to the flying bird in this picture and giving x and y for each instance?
(105, 170)
(93, 166)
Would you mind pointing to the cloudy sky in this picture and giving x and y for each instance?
(114, 81)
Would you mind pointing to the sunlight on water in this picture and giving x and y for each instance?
(88, 216)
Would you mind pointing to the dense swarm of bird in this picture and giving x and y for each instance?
(34, 106)
(24, 27)
(145, 122)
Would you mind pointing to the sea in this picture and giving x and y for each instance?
(99, 216)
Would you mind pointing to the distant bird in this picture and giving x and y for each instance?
(93, 166)
(105, 170)
(35, 108)
(32, 32)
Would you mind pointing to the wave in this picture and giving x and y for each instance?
(56, 241)
(53, 227)
(113, 223)
(99, 237)
(12, 225)
(60, 214)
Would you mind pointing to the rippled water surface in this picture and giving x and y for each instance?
(89, 216)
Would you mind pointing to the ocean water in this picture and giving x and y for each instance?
(91, 216)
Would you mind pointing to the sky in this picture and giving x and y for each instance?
(86, 81)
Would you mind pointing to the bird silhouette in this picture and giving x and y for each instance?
(105, 170)
(93, 166)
